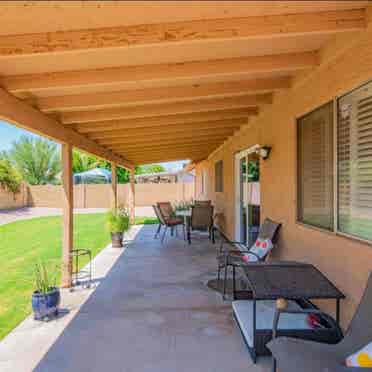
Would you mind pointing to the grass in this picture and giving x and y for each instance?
(23, 243)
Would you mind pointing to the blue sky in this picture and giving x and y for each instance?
(10, 133)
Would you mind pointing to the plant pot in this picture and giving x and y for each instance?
(117, 239)
(46, 305)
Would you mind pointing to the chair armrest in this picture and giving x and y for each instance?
(278, 312)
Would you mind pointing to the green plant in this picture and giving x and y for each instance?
(10, 180)
(45, 279)
(117, 220)
(37, 160)
(182, 205)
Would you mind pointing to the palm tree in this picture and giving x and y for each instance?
(82, 162)
(37, 160)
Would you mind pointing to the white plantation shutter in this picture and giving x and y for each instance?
(355, 162)
(315, 167)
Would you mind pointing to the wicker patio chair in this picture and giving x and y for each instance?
(202, 219)
(290, 353)
(164, 212)
(226, 258)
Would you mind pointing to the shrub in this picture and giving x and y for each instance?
(9, 177)
(118, 220)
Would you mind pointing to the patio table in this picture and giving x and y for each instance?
(291, 281)
(186, 214)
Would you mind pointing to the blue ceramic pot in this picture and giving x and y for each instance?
(45, 305)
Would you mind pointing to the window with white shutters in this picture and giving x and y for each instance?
(354, 151)
(315, 168)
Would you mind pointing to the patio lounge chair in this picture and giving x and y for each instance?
(202, 219)
(164, 213)
(293, 355)
(234, 257)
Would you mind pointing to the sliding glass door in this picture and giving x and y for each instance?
(247, 180)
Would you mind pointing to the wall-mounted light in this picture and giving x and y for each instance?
(264, 152)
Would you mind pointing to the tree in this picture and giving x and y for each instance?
(82, 162)
(10, 179)
(37, 160)
(123, 174)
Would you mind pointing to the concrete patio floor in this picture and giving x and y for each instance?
(152, 312)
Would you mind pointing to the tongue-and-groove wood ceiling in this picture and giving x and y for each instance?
(158, 81)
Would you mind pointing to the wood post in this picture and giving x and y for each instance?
(132, 202)
(114, 186)
(67, 220)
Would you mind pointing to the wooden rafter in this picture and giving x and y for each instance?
(160, 121)
(189, 31)
(176, 71)
(18, 113)
(207, 134)
(161, 109)
(149, 131)
(156, 95)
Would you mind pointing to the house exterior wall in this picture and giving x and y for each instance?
(346, 63)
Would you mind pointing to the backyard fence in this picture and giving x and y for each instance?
(96, 196)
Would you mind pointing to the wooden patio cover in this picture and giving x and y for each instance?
(142, 82)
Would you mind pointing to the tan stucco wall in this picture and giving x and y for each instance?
(346, 63)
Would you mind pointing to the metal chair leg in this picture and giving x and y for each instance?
(157, 231)
(184, 232)
(234, 284)
(225, 282)
(165, 231)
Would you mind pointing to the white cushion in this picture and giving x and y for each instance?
(265, 310)
(362, 358)
(261, 248)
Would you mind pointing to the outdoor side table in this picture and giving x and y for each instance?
(79, 274)
(293, 281)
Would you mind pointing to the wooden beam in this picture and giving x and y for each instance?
(168, 94)
(191, 127)
(22, 115)
(177, 71)
(258, 27)
(167, 143)
(170, 157)
(169, 130)
(161, 121)
(67, 219)
(161, 138)
(114, 186)
(132, 196)
(146, 147)
(161, 109)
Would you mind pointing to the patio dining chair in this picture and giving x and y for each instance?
(202, 219)
(234, 258)
(203, 203)
(167, 220)
(290, 353)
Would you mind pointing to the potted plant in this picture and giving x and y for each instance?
(46, 297)
(117, 224)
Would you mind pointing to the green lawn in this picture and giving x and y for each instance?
(23, 243)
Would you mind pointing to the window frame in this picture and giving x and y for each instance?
(297, 165)
(220, 183)
(335, 231)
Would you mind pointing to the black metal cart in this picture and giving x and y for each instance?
(298, 282)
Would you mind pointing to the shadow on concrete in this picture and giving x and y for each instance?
(154, 312)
